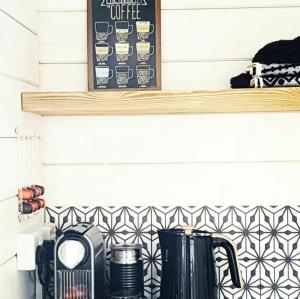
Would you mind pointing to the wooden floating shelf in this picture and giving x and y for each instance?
(161, 102)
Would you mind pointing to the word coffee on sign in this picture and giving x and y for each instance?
(124, 9)
(114, 2)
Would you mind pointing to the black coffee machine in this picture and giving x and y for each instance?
(188, 263)
(79, 263)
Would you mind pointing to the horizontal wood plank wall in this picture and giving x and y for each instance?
(9, 165)
(72, 77)
(8, 232)
(172, 139)
(24, 12)
(223, 159)
(191, 184)
(19, 71)
(75, 5)
(9, 279)
(16, 285)
(184, 40)
(11, 115)
(19, 51)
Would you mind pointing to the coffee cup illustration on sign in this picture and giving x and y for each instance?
(144, 74)
(103, 51)
(123, 30)
(103, 30)
(144, 29)
(103, 74)
(123, 74)
(144, 51)
(123, 51)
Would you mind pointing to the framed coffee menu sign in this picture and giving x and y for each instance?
(124, 49)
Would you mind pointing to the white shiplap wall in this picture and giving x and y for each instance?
(159, 160)
(19, 71)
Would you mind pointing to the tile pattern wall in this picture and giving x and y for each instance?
(267, 239)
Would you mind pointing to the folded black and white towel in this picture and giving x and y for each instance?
(275, 65)
(260, 69)
(268, 75)
(282, 80)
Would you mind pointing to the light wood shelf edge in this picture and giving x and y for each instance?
(161, 102)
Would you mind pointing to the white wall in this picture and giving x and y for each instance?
(19, 65)
(177, 160)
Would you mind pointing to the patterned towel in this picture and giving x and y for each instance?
(275, 65)
(258, 69)
(260, 75)
(281, 80)
(274, 75)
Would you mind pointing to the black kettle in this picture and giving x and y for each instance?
(188, 263)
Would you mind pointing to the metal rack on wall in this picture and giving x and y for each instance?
(30, 190)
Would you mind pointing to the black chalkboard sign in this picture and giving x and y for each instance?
(124, 49)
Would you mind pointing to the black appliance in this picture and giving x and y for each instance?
(45, 268)
(188, 263)
(126, 272)
(79, 263)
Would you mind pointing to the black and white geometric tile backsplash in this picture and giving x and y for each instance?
(268, 241)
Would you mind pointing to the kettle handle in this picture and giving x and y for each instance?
(220, 240)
